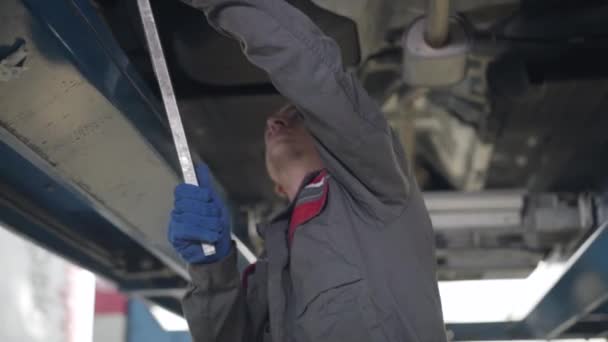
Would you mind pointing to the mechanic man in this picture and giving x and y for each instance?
(352, 257)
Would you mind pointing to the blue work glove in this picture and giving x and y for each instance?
(199, 215)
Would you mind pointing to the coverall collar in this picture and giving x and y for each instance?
(286, 213)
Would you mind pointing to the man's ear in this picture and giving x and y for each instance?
(280, 191)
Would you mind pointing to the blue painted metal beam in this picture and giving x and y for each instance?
(90, 45)
(578, 294)
(37, 202)
(73, 29)
(582, 289)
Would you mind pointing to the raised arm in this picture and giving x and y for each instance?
(306, 67)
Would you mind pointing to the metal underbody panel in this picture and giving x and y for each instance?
(464, 139)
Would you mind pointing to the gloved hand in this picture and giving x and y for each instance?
(199, 215)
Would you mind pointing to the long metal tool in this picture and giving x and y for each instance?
(175, 122)
(166, 88)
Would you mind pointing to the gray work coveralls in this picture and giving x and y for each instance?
(362, 267)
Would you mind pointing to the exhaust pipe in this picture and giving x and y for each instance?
(435, 48)
(437, 23)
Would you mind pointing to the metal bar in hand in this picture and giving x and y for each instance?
(166, 88)
(175, 122)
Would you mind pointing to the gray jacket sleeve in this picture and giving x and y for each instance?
(215, 305)
(306, 67)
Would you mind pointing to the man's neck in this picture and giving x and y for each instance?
(293, 178)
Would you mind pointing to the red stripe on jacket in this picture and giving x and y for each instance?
(306, 211)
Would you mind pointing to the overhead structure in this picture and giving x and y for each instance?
(435, 48)
(437, 23)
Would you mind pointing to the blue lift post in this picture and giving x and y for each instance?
(59, 214)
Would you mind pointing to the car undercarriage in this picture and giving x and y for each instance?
(526, 114)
